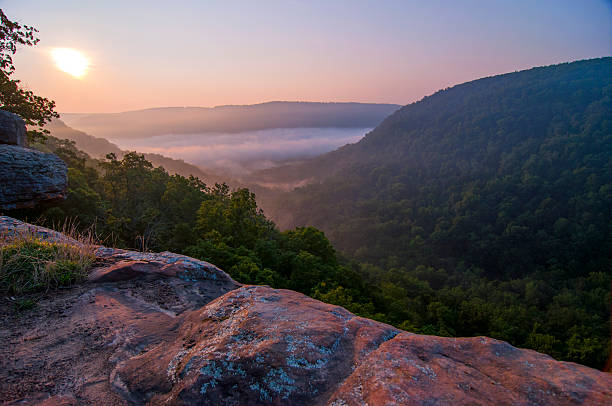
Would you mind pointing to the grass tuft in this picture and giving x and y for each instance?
(30, 264)
(23, 305)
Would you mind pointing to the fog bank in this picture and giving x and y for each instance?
(241, 153)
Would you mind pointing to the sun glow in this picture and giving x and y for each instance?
(70, 61)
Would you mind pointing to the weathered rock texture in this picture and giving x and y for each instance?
(12, 129)
(28, 177)
(166, 329)
(12, 227)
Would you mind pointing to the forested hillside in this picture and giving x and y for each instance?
(487, 207)
(489, 161)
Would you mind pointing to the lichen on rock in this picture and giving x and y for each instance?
(158, 328)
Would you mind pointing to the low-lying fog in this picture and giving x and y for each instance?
(241, 153)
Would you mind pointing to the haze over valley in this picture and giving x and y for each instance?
(243, 152)
(236, 139)
(392, 203)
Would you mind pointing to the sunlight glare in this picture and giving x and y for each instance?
(70, 61)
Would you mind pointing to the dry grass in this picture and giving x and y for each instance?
(29, 263)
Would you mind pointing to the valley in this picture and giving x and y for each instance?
(340, 203)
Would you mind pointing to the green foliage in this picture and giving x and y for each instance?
(481, 210)
(13, 34)
(135, 205)
(22, 305)
(234, 216)
(35, 110)
(566, 318)
(28, 264)
(497, 194)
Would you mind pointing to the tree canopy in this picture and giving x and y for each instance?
(35, 110)
(135, 205)
(484, 209)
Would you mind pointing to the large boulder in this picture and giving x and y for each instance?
(153, 329)
(257, 345)
(12, 129)
(428, 370)
(29, 177)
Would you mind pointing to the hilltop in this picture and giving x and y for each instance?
(229, 119)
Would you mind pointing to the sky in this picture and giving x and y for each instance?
(150, 53)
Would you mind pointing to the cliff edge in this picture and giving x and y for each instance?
(168, 329)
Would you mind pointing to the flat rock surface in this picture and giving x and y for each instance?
(418, 369)
(71, 340)
(152, 329)
(30, 177)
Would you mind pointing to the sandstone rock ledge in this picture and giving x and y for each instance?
(30, 177)
(167, 329)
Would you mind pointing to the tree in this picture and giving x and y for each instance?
(35, 110)
(233, 215)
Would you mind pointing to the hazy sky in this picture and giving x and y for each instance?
(148, 53)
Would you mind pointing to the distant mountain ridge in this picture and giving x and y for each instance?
(99, 147)
(412, 117)
(229, 119)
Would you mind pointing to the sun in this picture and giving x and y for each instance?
(70, 61)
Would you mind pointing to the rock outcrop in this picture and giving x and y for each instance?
(167, 329)
(30, 177)
(12, 129)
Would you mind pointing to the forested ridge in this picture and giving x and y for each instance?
(474, 163)
(484, 208)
